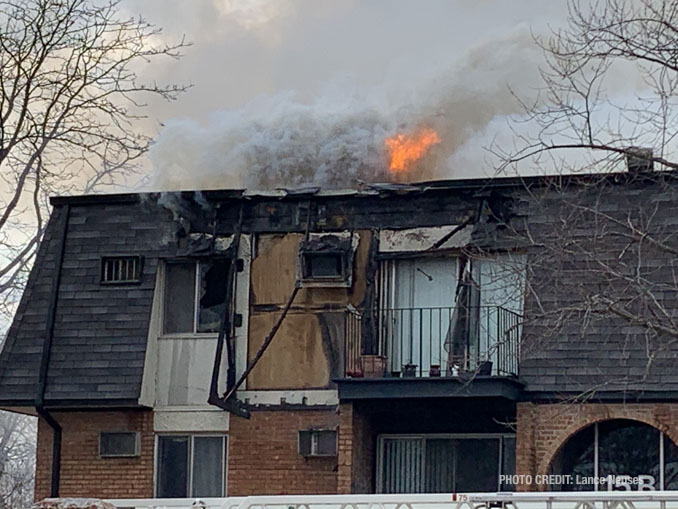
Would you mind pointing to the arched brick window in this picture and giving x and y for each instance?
(617, 454)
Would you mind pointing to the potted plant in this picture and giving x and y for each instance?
(485, 368)
(409, 370)
(373, 365)
(434, 370)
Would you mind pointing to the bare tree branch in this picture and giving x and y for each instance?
(70, 101)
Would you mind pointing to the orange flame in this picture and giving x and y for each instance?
(405, 150)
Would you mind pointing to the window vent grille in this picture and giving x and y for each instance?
(121, 269)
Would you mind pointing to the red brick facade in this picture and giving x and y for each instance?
(83, 472)
(356, 452)
(264, 457)
(542, 429)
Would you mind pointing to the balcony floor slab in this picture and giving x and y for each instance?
(445, 387)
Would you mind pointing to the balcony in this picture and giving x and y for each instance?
(435, 342)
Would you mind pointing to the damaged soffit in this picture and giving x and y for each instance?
(424, 239)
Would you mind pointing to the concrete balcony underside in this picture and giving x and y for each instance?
(445, 387)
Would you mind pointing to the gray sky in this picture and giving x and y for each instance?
(275, 77)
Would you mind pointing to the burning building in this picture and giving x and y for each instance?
(430, 337)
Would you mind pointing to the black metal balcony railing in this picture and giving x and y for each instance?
(441, 341)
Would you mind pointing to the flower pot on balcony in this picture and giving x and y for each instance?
(434, 370)
(409, 370)
(485, 368)
(374, 366)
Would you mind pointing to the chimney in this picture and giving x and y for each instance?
(639, 159)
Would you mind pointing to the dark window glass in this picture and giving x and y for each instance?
(208, 467)
(576, 458)
(323, 265)
(508, 461)
(172, 467)
(625, 448)
(450, 465)
(213, 277)
(326, 443)
(402, 462)
(477, 465)
(670, 464)
(628, 448)
(179, 315)
(306, 442)
(440, 459)
(118, 444)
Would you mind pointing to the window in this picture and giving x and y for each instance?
(615, 449)
(416, 304)
(190, 466)
(445, 463)
(121, 269)
(447, 315)
(318, 442)
(323, 266)
(326, 260)
(195, 296)
(114, 444)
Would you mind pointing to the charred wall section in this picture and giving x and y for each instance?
(307, 353)
(567, 228)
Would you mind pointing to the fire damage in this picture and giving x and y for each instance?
(209, 226)
(296, 303)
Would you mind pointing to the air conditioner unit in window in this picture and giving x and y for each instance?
(318, 442)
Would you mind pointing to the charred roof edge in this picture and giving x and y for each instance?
(371, 189)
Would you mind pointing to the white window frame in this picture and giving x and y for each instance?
(196, 301)
(426, 436)
(191, 437)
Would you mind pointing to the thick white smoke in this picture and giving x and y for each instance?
(337, 138)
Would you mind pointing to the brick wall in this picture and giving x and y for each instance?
(543, 428)
(83, 472)
(264, 459)
(357, 444)
(345, 446)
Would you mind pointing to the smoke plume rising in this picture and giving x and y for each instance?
(335, 136)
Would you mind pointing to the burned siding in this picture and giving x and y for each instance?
(308, 349)
(415, 208)
(101, 331)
